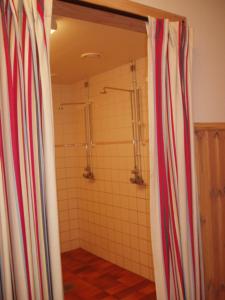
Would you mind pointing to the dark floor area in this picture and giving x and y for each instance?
(88, 277)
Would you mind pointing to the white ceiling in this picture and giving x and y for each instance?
(74, 37)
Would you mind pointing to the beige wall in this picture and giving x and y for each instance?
(208, 21)
(110, 216)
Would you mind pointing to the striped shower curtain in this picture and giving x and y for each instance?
(30, 266)
(175, 227)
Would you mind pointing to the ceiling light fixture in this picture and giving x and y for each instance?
(90, 55)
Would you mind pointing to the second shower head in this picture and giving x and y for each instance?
(105, 88)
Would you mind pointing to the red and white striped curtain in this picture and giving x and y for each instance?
(175, 226)
(30, 266)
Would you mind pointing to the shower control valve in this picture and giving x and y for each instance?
(88, 174)
(137, 179)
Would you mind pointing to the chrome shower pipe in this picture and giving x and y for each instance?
(132, 104)
(134, 134)
(88, 173)
(138, 126)
(87, 136)
(136, 130)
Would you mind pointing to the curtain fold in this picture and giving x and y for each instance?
(175, 227)
(30, 265)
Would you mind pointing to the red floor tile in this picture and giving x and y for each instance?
(88, 277)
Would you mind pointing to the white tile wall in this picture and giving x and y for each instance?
(108, 217)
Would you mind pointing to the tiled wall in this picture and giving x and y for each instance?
(109, 216)
(68, 129)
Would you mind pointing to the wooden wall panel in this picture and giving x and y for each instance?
(210, 161)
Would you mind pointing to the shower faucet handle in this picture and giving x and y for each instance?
(88, 174)
(137, 179)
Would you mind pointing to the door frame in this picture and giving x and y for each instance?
(119, 13)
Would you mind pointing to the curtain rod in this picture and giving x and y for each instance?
(107, 9)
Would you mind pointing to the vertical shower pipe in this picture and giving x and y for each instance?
(137, 124)
(88, 133)
(134, 132)
(86, 138)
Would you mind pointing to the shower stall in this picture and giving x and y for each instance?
(102, 166)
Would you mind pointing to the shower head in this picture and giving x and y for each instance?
(110, 88)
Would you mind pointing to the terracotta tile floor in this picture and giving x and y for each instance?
(88, 277)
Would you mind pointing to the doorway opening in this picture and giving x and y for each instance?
(99, 81)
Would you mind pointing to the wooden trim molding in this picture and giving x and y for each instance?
(135, 8)
(120, 13)
(209, 126)
(70, 10)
